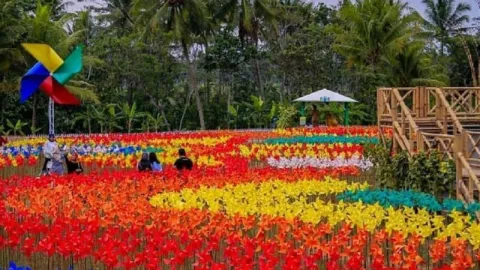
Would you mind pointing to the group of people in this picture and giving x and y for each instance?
(149, 162)
(330, 120)
(55, 158)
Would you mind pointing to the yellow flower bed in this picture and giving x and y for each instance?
(300, 200)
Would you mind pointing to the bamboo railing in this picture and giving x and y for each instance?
(444, 109)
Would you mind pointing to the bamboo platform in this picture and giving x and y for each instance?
(445, 119)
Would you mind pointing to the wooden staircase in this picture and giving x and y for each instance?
(446, 119)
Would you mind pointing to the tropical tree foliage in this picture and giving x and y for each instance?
(154, 65)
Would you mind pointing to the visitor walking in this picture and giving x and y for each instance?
(49, 148)
(144, 165)
(156, 165)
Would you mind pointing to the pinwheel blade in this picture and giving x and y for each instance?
(32, 81)
(45, 55)
(58, 92)
(71, 66)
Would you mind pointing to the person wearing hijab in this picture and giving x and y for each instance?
(73, 164)
(144, 165)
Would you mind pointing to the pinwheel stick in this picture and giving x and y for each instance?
(51, 116)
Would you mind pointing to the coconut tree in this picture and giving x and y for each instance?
(370, 30)
(116, 14)
(188, 21)
(444, 17)
(412, 67)
(248, 16)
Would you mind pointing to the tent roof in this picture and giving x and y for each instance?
(324, 95)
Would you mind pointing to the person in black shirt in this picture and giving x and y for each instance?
(183, 162)
(73, 164)
(144, 165)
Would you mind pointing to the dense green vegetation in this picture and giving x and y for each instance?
(166, 65)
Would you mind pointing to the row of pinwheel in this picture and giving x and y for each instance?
(243, 218)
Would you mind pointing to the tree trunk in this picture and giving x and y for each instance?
(192, 76)
(2, 111)
(165, 120)
(470, 62)
(442, 46)
(259, 79)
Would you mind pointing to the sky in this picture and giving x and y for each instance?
(417, 4)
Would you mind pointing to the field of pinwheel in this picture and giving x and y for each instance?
(283, 199)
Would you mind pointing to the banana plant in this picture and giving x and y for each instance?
(130, 115)
(3, 131)
(99, 117)
(34, 130)
(16, 128)
(85, 117)
(233, 112)
(110, 117)
(256, 111)
(156, 121)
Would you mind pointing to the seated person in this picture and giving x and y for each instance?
(144, 165)
(332, 120)
(156, 165)
(183, 162)
(73, 164)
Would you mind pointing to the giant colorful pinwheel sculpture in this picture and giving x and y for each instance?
(50, 74)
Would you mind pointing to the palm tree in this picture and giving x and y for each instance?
(187, 20)
(444, 18)
(117, 15)
(248, 16)
(412, 67)
(370, 30)
(11, 30)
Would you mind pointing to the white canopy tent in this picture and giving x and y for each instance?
(327, 96)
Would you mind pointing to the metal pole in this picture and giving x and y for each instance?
(345, 118)
(51, 116)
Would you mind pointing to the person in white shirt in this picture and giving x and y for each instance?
(49, 148)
